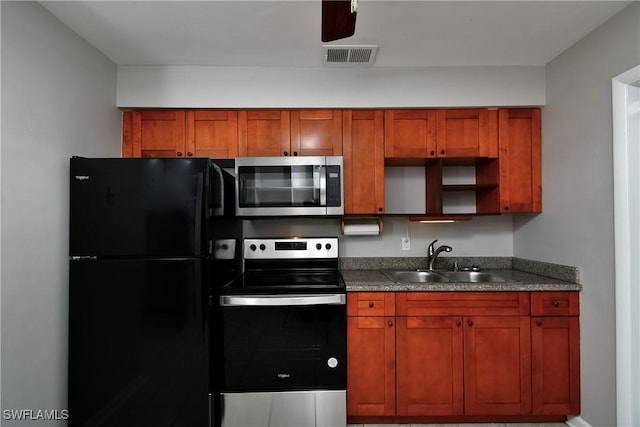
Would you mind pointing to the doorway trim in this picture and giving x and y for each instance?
(625, 109)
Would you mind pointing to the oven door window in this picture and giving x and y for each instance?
(284, 348)
(279, 186)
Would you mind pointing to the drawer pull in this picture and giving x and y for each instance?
(470, 322)
(390, 323)
(538, 323)
(556, 304)
(458, 323)
(371, 304)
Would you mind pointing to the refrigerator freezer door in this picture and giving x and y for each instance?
(138, 337)
(138, 207)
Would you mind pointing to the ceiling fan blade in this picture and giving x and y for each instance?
(337, 20)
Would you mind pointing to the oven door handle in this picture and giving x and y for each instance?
(281, 300)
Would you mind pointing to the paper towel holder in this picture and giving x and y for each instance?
(361, 220)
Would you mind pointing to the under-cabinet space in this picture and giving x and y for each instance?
(443, 187)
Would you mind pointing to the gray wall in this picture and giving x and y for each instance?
(576, 227)
(58, 100)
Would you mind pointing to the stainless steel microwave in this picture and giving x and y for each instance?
(289, 186)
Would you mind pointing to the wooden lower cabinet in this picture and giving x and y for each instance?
(555, 359)
(371, 366)
(440, 357)
(497, 365)
(429, 365)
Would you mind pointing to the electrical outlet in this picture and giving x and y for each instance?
(406, 244)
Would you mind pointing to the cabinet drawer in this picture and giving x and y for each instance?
(555, 304)
(462, 303)
(371, 304)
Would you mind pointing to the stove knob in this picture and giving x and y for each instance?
(262, 247)
(328, 246)
(252, 247)
(318, 246)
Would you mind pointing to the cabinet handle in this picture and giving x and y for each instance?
(390, 323)
(538, 323)
(433, 153)
(470, 322)
(286, 153)
(458, 323)
(189, 154)
(556, 304)
(442, 151)
(380, 209)
(371, 304)
(506, 208)
(179, 153)
(295, 153)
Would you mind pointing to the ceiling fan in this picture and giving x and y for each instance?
(338, 19)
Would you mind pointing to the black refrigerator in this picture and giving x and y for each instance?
(151, 241)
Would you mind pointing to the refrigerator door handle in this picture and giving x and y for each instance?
(217, 191)
(199, 214)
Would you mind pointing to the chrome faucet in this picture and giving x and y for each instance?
(432, 253)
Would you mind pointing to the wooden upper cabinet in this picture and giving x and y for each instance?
(520, 160)
(263, 133)
(289, 133)
(316, 133)
(410, 133)
(154, 134)
(467, 133)
(363, 151)
(451, 133)
(212, 133)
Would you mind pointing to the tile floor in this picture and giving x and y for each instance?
(464, 425)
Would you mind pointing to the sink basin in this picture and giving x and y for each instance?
(415, 276)
(423, 276)
(471, 276)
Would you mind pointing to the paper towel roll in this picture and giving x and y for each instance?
(372, 229)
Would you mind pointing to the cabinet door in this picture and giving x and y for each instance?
(520, 164)
(429, 365)
(371, 366)
(154, 134)
(497, 365)
(212, 134)
(263, 133)
(555, 365)
(467, 133)
(363, 151)
(410, 134)
(316, 133)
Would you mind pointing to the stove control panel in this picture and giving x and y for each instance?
(292, 248)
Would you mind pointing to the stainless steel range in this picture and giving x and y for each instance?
(284, 337)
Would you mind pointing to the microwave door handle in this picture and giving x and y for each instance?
(323, 186)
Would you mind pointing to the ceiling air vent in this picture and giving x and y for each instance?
(349, 55)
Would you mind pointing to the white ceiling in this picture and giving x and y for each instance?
(287, 33)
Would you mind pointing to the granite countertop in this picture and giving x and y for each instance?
(519, 275)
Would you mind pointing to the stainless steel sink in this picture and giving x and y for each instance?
(471, 276)
(414, 276)
(423, 276)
